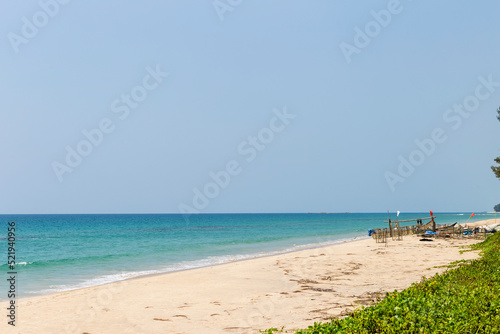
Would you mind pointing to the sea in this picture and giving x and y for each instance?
(64, 252)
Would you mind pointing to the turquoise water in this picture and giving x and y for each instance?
(64, 252)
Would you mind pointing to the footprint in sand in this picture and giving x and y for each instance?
(236, 328)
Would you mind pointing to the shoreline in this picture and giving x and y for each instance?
(487, 222)
(294, 290)
(290, 249)
(249, 258)
(256, 257)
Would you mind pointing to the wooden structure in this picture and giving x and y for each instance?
(396, 232)
(394, 225)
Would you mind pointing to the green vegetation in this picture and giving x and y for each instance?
(496, 170)
(497, 208)
(465, 299)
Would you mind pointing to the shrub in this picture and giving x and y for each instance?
(461, 300)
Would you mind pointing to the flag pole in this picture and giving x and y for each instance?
(472, 215)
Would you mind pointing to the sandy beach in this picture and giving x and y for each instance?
(487, 222)
(292, 290)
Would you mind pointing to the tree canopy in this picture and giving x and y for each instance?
(497, 208)
(496, 169)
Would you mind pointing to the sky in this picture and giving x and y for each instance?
(248, 106)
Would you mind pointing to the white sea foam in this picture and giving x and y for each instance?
(17, 264)
(101, 280)
(184, 265)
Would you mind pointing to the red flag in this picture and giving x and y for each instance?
(472, 215)
(432, 214)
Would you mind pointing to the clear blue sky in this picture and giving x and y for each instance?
(359, 93)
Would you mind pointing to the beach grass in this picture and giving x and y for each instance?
(464, 299)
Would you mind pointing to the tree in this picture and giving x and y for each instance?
(497, 208)
(496, 170)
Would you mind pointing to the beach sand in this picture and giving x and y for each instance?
(488, 222)
(292, 290)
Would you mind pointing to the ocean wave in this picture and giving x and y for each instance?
(184, 265)
(101, 280)
(65, 261)
(17, 264)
